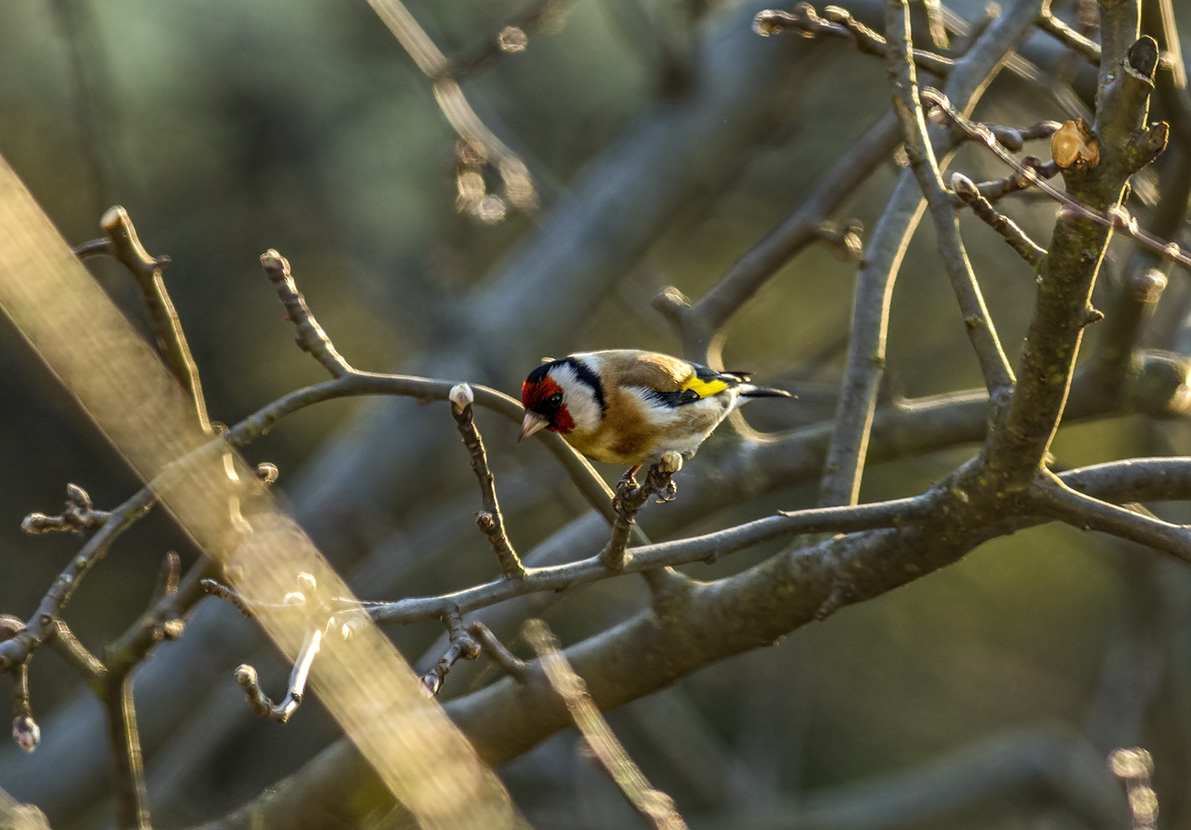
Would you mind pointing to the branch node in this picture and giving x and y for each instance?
(1090, 315)
(463, 645)
(78, 515)
(508, 662)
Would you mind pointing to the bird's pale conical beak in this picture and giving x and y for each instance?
(532, 423)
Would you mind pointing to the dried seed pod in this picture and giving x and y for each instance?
(1073, 145)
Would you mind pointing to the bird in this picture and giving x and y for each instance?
(627, 406)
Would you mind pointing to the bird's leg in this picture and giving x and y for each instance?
(628, 480)
(625, 491)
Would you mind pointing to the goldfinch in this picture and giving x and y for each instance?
(625, 406)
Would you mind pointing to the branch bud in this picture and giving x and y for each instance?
(461, 398)
(670, 462)
(26, 732)
(964, 187)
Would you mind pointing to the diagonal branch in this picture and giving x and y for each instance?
(126, 247)
(652, 803)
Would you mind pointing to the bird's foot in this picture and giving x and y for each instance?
(667, 492)
(628, 481)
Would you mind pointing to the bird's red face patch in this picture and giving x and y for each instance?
(545, 398)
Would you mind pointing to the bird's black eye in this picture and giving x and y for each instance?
(554, 402)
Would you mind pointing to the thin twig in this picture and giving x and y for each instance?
(652, 803)
(41, 625)
(518, 185)
(846, 454)
(1033, 169)
(310, 336)
(706, 548)
(1117, 218)
(281, 711)
(848, 447)
(128, 774)
(78, 515)
(25, 730)
(837, 22)
(167, 327)
(228, 594)
(1067, 36)
(92, 248)
(462, 646)
(490, 520)
(1009, 230)
(994, 365)
(76, 654)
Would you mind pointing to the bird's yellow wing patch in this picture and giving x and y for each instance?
(704, 388)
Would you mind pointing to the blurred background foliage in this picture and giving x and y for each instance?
(227, 128)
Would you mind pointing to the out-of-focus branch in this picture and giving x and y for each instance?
(1045, 768)
(652, 803)
(837, 22)
(510, 38)
(699, 323)
(518, 185)
(1068, 36)
(1145, 279)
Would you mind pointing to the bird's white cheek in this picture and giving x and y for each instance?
(585, 412)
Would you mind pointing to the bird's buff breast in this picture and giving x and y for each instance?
(633, 437)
